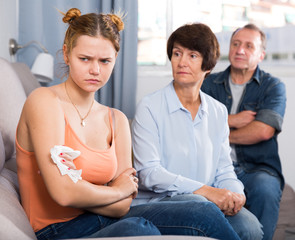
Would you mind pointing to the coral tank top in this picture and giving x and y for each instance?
(98, 167)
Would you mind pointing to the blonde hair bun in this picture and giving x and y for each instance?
(117, 21)
(71, 15)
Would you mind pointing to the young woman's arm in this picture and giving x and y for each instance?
(43, 119)
(123, 153)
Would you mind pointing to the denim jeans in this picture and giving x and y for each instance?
(186, 218)
(166, 218)
(263, 191)
(244, 223)
(89, 223)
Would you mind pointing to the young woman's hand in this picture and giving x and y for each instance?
(67, 160)
(126, 183)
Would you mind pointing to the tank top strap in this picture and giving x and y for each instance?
(66, 120)
(112, 121)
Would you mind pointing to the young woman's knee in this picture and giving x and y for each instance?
(139, 226)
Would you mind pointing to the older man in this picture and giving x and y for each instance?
(256, 104)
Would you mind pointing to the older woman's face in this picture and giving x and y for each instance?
(186, 66)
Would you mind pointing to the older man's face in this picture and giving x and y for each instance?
(246, 50)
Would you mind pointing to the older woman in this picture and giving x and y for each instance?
(180, 136)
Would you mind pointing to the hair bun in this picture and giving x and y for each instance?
(71, 14)
(117, 21)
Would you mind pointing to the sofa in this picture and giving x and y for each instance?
(17, 82)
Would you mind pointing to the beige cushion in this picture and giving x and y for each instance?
(8, 179)
(14, 221)
(2, 153)
(28, 80)
(12, 98)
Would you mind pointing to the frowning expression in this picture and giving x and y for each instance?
(91, 62)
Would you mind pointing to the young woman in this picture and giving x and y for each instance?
(98, 204)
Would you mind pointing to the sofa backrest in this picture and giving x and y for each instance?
(12, 98)
(28, 80)
(2, 153)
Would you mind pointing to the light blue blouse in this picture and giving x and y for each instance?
(174, 154)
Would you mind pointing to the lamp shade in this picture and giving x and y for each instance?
(43, 67)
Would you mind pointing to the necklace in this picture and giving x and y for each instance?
(83, 123)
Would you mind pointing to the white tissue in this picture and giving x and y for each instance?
(75, 175)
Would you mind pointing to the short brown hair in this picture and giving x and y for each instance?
(196, 37)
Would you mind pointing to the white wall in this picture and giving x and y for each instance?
(8, 25)
(151, 79)
(286, 137)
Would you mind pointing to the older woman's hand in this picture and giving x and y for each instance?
(239, 200)
(230, 203)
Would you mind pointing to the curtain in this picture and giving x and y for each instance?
(41, 21)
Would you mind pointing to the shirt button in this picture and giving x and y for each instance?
(229, 97)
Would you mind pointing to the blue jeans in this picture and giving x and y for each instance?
(244, 223)
(263, 193)
(186, 218)
(89, 224)
(167, 218)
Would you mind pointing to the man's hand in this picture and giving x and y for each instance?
(241, 119)
(230, 203)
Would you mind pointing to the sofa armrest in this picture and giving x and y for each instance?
(13, 219)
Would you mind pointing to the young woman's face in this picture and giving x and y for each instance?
(91, 62)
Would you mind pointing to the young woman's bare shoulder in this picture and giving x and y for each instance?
(41, 95)
(121, 121)
(119, 116)
(41, 99)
